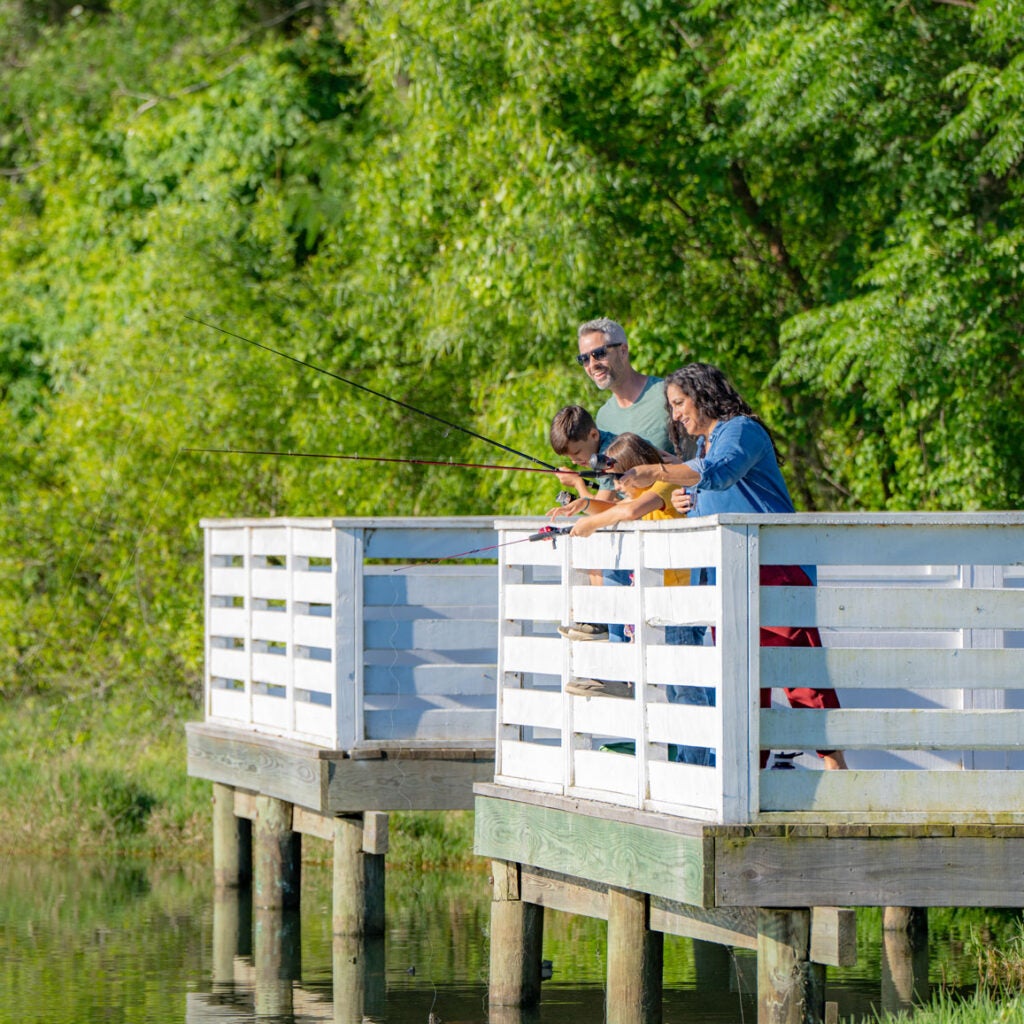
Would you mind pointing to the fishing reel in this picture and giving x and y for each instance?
(601, 463)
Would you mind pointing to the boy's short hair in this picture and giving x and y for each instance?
(573, 423)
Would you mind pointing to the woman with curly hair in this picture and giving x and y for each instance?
(736, 469)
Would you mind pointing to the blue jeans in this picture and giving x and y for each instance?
(701, 695)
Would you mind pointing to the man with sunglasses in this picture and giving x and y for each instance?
(636, 406)
(637, 402)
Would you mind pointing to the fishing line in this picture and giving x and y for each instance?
(377, 458)
(544, 533)
(370, 391)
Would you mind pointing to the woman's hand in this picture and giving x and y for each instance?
(682, 501)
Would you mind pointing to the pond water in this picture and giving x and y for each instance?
(124, 941)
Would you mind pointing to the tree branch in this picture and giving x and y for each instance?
(768, 231)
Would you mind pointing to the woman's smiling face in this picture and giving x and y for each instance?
(684, 411)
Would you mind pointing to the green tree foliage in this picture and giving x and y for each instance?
(425, 197)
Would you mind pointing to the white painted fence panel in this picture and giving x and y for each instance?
(309, 637)
(927, 658)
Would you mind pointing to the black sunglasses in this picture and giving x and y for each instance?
(597, 353)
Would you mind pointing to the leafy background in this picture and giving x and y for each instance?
(426, 197)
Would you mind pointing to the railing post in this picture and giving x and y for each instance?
(348, 637)
(737, 642)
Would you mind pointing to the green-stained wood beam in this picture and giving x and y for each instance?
(623, 854)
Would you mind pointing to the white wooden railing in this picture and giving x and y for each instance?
(921, 617)
(342, 633)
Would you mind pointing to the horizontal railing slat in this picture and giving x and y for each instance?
(927, 669)
(980, 793)
(892, 608)
(897, 729)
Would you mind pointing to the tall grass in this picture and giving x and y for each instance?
(93, 775)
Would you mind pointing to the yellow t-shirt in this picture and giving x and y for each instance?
(673, 577)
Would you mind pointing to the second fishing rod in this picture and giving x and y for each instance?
(378, 394)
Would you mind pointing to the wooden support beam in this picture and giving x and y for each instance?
(833, 929)
(277, 856)
(635, 959)
(790, 989)
(904, 958)
(517, 931)
(358, 903)
(232, 841)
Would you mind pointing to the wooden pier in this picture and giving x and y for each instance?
(346, 679)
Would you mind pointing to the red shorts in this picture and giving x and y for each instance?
(793, 636)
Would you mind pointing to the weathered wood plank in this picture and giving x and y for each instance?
(617, 853)
(919, 872)
(561, 892)
(402, 785)
(281, 768)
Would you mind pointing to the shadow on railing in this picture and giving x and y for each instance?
(923, 651)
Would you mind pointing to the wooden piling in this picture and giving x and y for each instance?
(516, 939)
(358, 970)
(277, 960)
(277, 856)
(904, 958)
(635, 958)
(358, 902)
(790, 988)
(232, 841)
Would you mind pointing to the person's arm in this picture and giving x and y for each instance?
(740, 444)
(681, 474)
(580, 505)
(570, 478)
(620, 512)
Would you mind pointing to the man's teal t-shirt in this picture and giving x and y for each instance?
(647, 416)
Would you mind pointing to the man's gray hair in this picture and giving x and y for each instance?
(612, 331)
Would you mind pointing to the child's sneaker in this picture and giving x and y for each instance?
(584, 631)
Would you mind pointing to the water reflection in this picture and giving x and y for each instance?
(129, 941)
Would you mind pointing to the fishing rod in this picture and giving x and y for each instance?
(544, 533)
(371, 391)
(375, 458)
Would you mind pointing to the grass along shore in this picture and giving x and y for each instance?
(88, 775)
